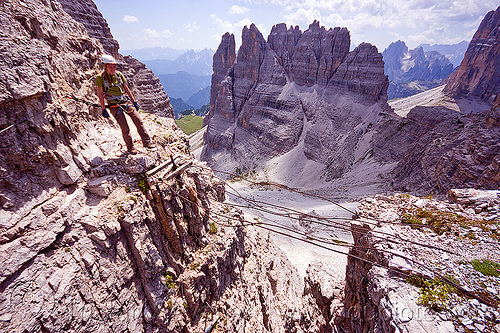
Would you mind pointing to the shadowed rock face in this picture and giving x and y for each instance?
(296, 87)
(479, 73)
(315, 56)
(83, 248)
(86, 12)
(437, 148)
(223, 59)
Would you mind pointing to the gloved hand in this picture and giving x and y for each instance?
(105, 113)
(136, 106)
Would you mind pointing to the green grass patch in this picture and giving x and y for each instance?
(486, 267)
(142, 183)
(190, 123)
(169, 280)
(440, 222)
(212, 228)
(434, 293)
(444, 222)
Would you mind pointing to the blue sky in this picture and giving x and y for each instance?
(199, 24)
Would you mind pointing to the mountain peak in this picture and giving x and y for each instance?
(479, 73)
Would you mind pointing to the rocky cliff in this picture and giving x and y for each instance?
(454, 143)
(223, 59)
(86, 13)
(437, 148)
(88, 241)
(413, 71)
(297, 90)
(414, 265)
(479, 73)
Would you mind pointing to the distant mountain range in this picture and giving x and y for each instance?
(197, 63)
(185, 74)
(413, 71)
(194, 90)
(165, 53)
(455, 53)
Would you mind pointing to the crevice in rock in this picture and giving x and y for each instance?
(265, 315)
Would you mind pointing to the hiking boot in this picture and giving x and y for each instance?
(132, 150)
(149, 145)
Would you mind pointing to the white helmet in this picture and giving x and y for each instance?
(107, 59)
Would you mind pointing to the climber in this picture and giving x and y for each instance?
(112, 88)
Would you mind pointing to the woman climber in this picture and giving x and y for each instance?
(112, 88)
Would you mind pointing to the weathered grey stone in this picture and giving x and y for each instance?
(100, 186)
(81, 163)
(53, 205)
(295, 90)
(5, 201)
(480, 198)
(478, 73)
(223, 60)
(100, 238)
(69, 174)
(138, 164)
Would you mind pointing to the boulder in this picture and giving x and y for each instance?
(100, 186)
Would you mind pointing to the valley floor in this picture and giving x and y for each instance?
(301, 254)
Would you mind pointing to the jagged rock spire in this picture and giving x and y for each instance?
(479, 73)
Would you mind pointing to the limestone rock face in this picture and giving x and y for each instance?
(87, 244)
(316, 55)
(479, 73)
(86, 12)
(382, 292)
(147, 88)
(43, 57)
(223, 59)
(297, 89)
(361, 72)
(437, 149)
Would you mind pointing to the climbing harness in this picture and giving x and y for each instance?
(107, 86)
(122, 107)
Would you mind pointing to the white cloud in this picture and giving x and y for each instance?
(222, 24)
(242, 23)
(192, 27)
(236, 27)
(303, 16)
(130, 19)
(153, 34)
(416, 21)
(238, 10)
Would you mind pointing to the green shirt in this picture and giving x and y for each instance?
(115, 92)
